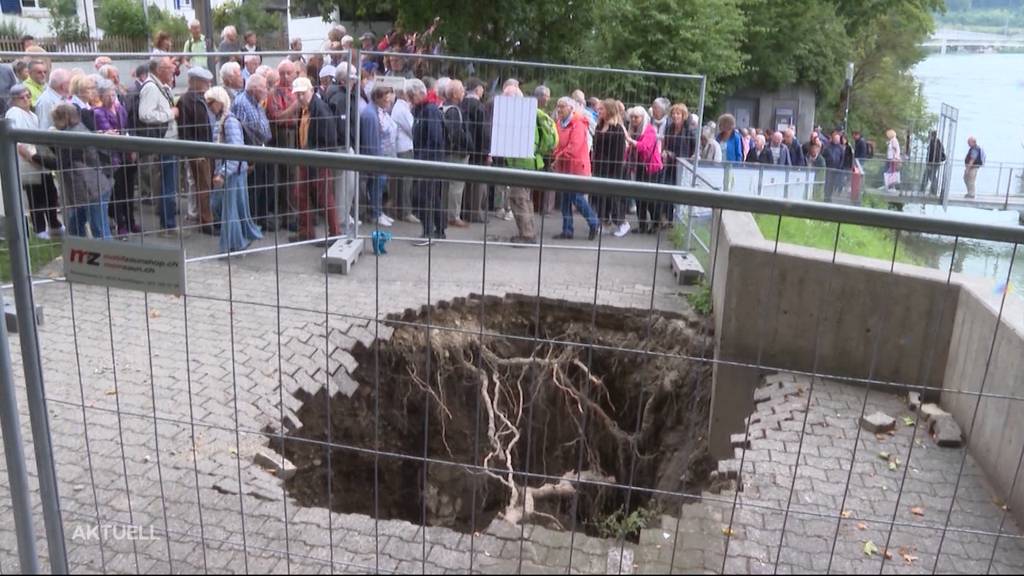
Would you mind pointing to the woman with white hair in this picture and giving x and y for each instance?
(645, 157)
(230, 199)
(229, 43)
(709, 148)
(572, 156)
(893, 160)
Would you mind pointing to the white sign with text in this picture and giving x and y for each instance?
(513, 127)
(127, 266)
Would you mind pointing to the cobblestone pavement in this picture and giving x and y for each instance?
(210, 378)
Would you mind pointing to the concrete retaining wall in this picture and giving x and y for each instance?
(996, 435)
(795, 309)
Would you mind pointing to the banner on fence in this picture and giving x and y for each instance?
(127, 266)
(512, 129)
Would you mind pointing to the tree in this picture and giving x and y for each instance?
(686, 36)
(65, 22)
(801, 42)
(124, 18)
(250, 15)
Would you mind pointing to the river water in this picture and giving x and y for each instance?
(987, 89)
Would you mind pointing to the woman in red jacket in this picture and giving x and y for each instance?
(572, 156)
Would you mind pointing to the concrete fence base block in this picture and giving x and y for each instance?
(342, 255)
(11, 316)
(686, 269)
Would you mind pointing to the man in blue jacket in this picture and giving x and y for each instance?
(428, 144)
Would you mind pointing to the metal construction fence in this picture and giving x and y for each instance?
(475, 405)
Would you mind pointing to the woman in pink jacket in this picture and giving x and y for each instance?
(645, 155)
(572, 156)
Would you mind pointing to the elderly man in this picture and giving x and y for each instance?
(778, 153)
(229, 43)
(317, 131)
(475, 115)
(57, 92)
(545, 138)
(36, 82)
(196, 44)
(343, 98)
(459, 145)
(248, 108)
(196, 127)
(796, 151)
(231, 79)
(428, 144)
(37, 183)
(972, 163)
(283, 115)
(158, 119)
(252, 62)
(544, 200)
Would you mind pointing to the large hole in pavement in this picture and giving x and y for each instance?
(492, 399)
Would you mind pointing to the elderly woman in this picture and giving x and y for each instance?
(893, 160)
(680, 141)
(572, 156)
(710, 151)
(82, 179)
(609, 161)
(84, 96)
(112, 118)
(230, 199)
(758, 153)
(645, 157)
(659, 116)
(729, 139)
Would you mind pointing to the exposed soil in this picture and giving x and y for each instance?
(515, 405)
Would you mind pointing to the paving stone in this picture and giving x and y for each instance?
(930, 411)
(946, 432)
(878, 423)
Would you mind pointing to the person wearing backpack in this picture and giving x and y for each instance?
(459, 143)
(545, 139)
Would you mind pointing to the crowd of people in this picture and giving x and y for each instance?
(385, 105)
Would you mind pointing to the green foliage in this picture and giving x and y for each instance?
(11, 29)
(701, 300)
(795, 42)
(167, 21)
(692, 36)
(64, 21)
(123, 18)
(250, 15)
(40, 253)
(857, 240)
(621, 525)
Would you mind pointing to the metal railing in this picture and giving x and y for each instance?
(221, 289)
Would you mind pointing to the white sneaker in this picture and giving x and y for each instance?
(387, 218)
(384, 221)
(508, 216)
(412, 219)
(44, 235)
(624, 229)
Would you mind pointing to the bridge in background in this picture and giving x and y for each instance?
(947, 39)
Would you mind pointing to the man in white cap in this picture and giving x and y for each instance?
(326, 80)
(317, 131)
(195, 127)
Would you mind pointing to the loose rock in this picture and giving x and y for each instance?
(946, 432)
(931, 411)
(914, 401)
(878, 423)
(281, 468)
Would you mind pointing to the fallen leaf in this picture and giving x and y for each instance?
(111, 392)
(862, 526)
(908, 421)
(847, 513)
(154, 313)
(870, 549)
(883, 455)
(728, 532)
(888, 555)
(917, 511)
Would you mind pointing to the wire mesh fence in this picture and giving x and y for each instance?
(473, 405)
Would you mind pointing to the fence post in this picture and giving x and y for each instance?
(1009, 184)
(21, 277)
(16, 473)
